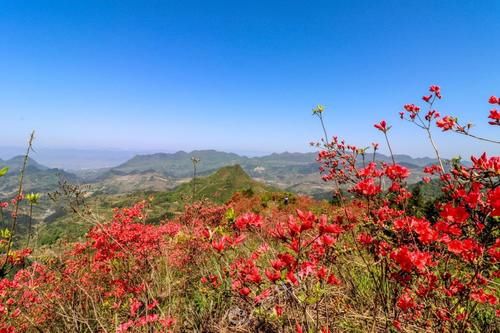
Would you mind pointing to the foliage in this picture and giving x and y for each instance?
(383, 259)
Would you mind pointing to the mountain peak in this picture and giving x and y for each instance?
(16, 163)
(221, 185)
(232, 170)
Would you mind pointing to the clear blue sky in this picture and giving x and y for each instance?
(241, 75)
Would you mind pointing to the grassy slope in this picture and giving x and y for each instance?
(218, 187)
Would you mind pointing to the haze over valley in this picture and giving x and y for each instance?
(295, 172)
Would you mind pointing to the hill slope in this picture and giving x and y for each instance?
(179, 164)
(220, 186)
(38, 178)
(293, 171)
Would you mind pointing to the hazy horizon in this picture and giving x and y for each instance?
(81, 159)
(242, 76)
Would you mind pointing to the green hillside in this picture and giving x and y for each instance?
(218, 188)
(179, 164)
(15, 164)
(38, 178)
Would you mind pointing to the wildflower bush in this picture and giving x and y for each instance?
(371, 261)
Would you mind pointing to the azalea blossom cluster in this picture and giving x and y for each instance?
(494, 113)
(296, 251)
(431, 271)
(107, 272)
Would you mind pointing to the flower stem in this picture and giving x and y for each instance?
(390, 149)
(16, 207)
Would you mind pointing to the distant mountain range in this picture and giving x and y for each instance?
(179, 165)
(292, 171)
(16, 163)
(38, 178)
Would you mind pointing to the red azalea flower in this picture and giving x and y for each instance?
(436, 90)
(332, 280)
(365, 238)
(446, 123)
(406, 302)
(494, 251)
(382, 126)
(495, 116)
(396, 171)
(432, 115)
(291, 277)
(135, 305)
(408, 260)
(443, 314)
(327, 240)
(219, 245)
(248, 219)
(367, 187)
(330, 229)
(262, 296)
(426, 234)
(279, 310)
(278, 264)
(321, 273)
(468, 249)
(481, 297)
(411, 108)
(273, 275)
(245, 291)
(293, 226)
(454, 214)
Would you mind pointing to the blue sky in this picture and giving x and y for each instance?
(242, 76)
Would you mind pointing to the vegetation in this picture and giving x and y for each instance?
(380, 257)
(295, 172)
(219, 187)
